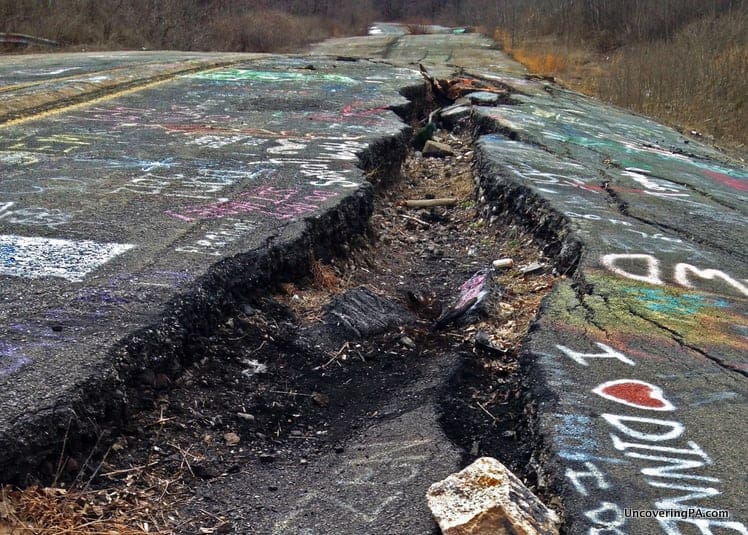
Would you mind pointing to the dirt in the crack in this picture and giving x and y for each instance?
(294, 371)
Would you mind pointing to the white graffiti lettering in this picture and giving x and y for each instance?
(177, 185)
(595, 217)
(214, 242)
(678, 502)
(35, 216)
(656, 236)
(35, 258)
(608, 353)
(287, 146)
(682, 272)
(607, 519)
(653, 188)
(670, 471)
(676, 429)
(693, 448)
(652, 267)
(593, 472)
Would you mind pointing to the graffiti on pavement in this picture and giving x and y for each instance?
(657, 448)
(33, 258)
(279, 203)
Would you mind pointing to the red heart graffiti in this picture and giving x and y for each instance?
(635, 394)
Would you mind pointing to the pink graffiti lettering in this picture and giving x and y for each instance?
(356, 109)
(278, 203)
(734, 183)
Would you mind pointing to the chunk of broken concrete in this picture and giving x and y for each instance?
(487, 499)
(435, 149)
(535, 267)
(484, 98)
(470, 304)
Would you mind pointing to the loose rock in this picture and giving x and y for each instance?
(435, 149)
(323, 400)
(267, 458)
(532, 268)
(487, 499)
(231, 438)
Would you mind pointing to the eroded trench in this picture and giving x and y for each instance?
(302, 362)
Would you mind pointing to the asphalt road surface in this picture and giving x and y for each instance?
(131, 212)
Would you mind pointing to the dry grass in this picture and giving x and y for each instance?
(56, 511)
(307, 298)
(697, 80)
(417, 29)
(323, 275)
(538, 59)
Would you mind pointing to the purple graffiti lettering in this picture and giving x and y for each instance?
(92, 295)
(10, 359)
(294, 209)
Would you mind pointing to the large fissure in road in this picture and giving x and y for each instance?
(387, 360)
(237, 300)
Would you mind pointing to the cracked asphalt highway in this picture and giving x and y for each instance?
(135, 203)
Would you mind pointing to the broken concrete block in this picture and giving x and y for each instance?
(436, 149)
(471, 302)
(484, 98)
(487, 499)
(532, 268)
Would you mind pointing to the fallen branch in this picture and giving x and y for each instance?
(409, 218)
(128, 470)
(486, 411)
(426, 203)
(290, 393)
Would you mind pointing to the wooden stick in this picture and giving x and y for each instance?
(425, 203)
(409, 218)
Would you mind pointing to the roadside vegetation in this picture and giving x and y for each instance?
(681, 61)
(231, 25)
